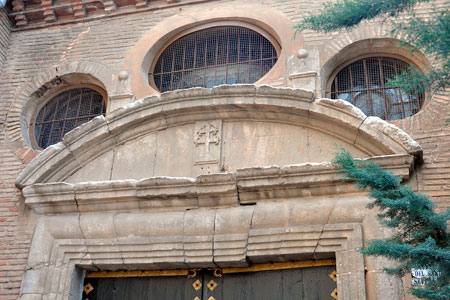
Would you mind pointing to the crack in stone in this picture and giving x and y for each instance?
(321, 232)
(81, 230)
(117, 238)
(154, 156)
(308, 132)
(238, 195)
(184, 234)
(114, 149)
(213, 237)
(248, 235)
(358, 130)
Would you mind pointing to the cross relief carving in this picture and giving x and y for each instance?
(207, 140)
(207, 135)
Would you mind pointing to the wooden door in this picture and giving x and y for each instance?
(286, 284)
(311, 283)
(140, 288)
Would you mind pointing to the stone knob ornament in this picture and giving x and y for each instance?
(302, 53)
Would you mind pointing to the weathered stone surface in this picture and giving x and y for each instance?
(53, 198)
(101, 166)
(263, 126)
(248, 185)
(393, 137)
(139, 153)
(159, 136)
(189, 239)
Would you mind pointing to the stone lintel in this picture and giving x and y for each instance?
(135, 246)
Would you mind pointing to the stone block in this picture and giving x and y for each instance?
(264, 216)
(38, 171)
(34, 281)
(199, 222)
(30, 297)
(98, 169)
(63, 226)
(135, 159)
(160, 224)
(237, 90)
(106, 195)
(230, 250)
(87, 136)
(174, 151)
(233, 220)
(51, 198)
(97, 226)
(389, 137)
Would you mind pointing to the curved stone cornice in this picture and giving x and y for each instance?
(247, 185)
(336, 118)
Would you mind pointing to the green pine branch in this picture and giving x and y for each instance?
(349, 13)
(430, 35)
(421, 239)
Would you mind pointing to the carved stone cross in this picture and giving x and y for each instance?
(207, 135)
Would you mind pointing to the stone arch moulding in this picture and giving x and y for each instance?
(139, 59)
(27, 95)
(333, 120)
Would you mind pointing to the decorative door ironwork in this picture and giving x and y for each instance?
(276, 281)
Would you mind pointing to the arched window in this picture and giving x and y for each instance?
(364, 84)
(214, 56)
(66, 111)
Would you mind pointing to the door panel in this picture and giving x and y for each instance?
(311, 283)
(290, 284)
(141, 288)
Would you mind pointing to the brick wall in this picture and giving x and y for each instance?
(15, 229)
(107, 41)
(4, 35)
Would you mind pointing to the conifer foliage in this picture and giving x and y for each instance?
(421, 239)
(431, 35)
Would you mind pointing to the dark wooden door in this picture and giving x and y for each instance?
(141, 288)
(289, 284)
(283, 284)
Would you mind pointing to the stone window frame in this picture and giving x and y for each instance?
(140, 58)
(371, 47)
(48, 96)
(198, 27)
(348, 62)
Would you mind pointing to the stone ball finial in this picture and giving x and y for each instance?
(302, 53)
(123, 75)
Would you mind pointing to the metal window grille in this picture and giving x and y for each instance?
(66, 111)
(214, 56)
(364, 84)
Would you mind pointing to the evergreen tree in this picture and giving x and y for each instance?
(421, 239)
(431, 35)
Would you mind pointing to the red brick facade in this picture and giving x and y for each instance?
(26, 51)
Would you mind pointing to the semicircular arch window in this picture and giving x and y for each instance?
(364, 84)
(214, 56)
(66, 111)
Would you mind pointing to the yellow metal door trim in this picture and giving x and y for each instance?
(280, 266)
(217, 272)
